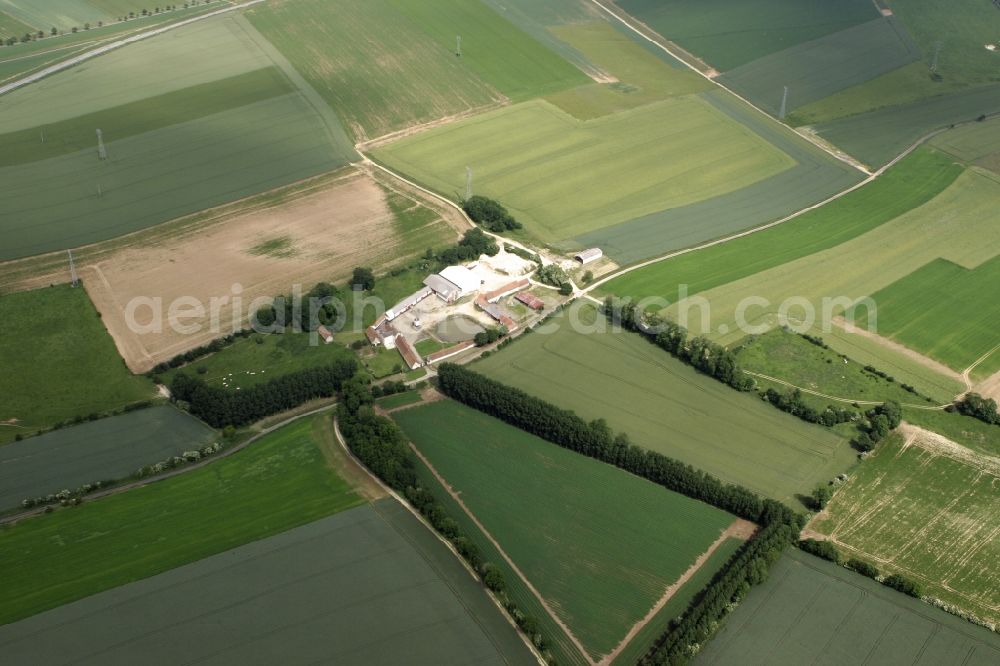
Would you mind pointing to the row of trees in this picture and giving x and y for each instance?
(699, 352)
(383, 448)
(490, 214)
(489, 336)
(828, 551)
(219, 407)
(978, 407)
(198, 352)
(793, 403)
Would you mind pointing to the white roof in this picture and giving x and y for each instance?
(446, 288)
(462, 277)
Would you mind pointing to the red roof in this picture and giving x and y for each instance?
(531, 301)
(450, 351)
(325, 333)
(508, 288)
(410, 355)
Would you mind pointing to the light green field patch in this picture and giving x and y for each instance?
(639, 76)
(945, 311)
(44, 14)
(926, 508)
(974, 143)
(11, 27)
(207, 51)
(602, 548)
(58, 362)
(668, 407)
(562, 177)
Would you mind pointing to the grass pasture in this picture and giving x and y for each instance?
(944, 310)
(278, 483)
(58, 362)
(562, 177)
(104, 450)
(816, 69)
(368, 585)
(730, 33)
(666, 406)
(810, 611)
(925, 507)
(601, 548)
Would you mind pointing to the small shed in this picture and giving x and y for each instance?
(588, 256)
(325, 333)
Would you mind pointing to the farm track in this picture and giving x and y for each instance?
(837, 399)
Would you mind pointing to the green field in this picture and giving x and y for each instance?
(105, 450)
(399, 400)
(983, 438)
(369, 585)
(562, 177)
(927, 509)
(247, 362)
(568, 527)
(812, 611)
(405, 72)
(913, 182)
(668, 407)
(729, 33)
(819, 68)
(205, 134)
(277, 483)
(975, 143)
(58, 362)
(11, 27)
(879, 136)
(944, 310)
(44, 14)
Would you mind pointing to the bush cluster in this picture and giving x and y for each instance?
(793, 403)
(65, 497)
(524, 254)
(880, 422)
(490, 214)
(490, 335)
(174, 462)
(473, 244)
(978, 407)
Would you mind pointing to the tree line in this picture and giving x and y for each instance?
(220, 407)
(383, 448)
(828, 551)
(490, 214)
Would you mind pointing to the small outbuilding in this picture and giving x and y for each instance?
(409, 354)
(588, 256)
(325, 333)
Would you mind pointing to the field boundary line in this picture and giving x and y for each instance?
(83, 57)
(423, 521)
(833, 397)
(496, 544)
(737, 529)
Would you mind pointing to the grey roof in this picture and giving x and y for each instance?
(445, 288)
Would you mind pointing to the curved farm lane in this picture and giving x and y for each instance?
(835, 398)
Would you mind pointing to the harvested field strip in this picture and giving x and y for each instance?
(369, 585)
(561, 177)
(278, 483)
(58, 362)
(63, 14)
(925, 507)
(878, 136)
(810, 610)
(814, 70)
(944, 310)
(913, 182)
(108, 449)
(670, 408)
(153, 113)
(594, 554)
(729, 33)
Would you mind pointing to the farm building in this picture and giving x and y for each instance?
(409, 354)
(531, 301)
(325, 333)
(382, 332)
(447, 291)
(588, 256)
(506, 290)
(407, 303)
(497, 312)
(453, 283)
(450, 351)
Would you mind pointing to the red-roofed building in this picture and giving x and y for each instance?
(450, 351)
(506, 290)
(531, 301)
(409, 354)
(325, 333)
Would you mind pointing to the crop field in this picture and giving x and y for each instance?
(104, 450)
(54, 372)
(315, 231)
(562, 177)
(10, 26)
(205, 136)
(62, 14)
(975, 143)
(729, 33)
(812, 611)
(952, 226)
(666, 406)
(942, 310)
(819, 68)
(913, 182)
(247, 362)
(368, 585)
(926, 507)
(406, 72)
(878, 136)
(570, 543)
(278, 483)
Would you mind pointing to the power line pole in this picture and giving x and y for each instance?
(72, 268)
(468, 183)
(784, 104)
(102, 152)
(458, 45)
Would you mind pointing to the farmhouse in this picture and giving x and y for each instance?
(450, 351)
(382, 332)
(409, 354)
(325, 333)
(453, 283)
(506, 290)
(587, 256)
(531, 301)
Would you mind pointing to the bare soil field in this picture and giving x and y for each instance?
(256, 249)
